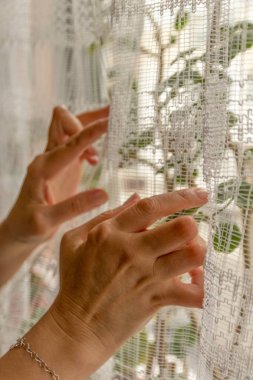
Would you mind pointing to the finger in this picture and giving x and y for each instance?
(167, 238)
(90, 155)
(92, 160)
(190, 295)
(181, 261)
(85, 228)
(63, 123)
(77, 205)
(87, 118)
(90, 151)
(148, 210)
(111, 213)
(60, 157)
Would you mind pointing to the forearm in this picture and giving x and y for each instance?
(12, 254)
(69, 359)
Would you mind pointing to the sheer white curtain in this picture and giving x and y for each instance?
(181, 115)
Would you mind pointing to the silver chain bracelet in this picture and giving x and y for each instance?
(21, 343)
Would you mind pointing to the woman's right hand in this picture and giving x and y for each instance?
(115, 274)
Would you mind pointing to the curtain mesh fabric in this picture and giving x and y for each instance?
(179, 78)
(181, 116)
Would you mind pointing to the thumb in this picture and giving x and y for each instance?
(190, 295)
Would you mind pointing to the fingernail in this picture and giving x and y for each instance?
(202, 193)
(133, 197)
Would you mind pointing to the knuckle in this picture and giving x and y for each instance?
(148, 206)
(186, 227)
(100, 234)
(183, 194)
(197, 252)
(58, 111)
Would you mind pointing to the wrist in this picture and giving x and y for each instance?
(84, 340)
(12, 253)
(9, 237)
(69, 357)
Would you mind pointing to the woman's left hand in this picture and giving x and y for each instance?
(48, 195)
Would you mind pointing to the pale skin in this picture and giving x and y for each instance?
(115, 274)
(49, 196)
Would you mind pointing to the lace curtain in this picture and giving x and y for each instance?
(179, 77)
(182, 116)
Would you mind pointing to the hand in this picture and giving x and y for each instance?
(115, 273)
(47, 197)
